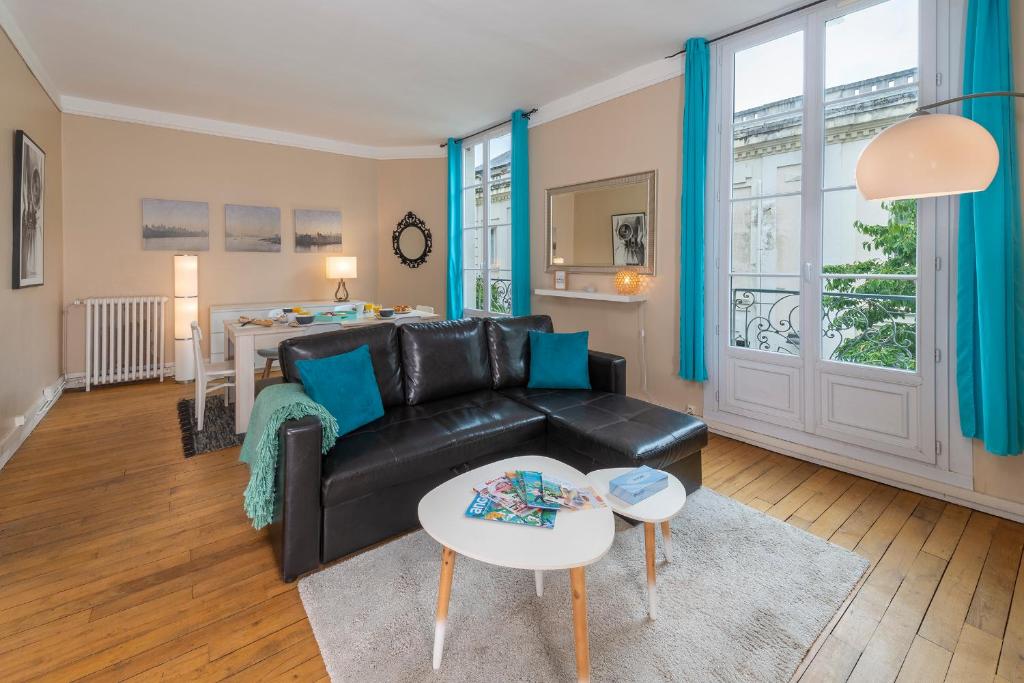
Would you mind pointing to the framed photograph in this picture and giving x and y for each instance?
(317, 231)
(171, 225)
(629, 239)
(29, 184)
(252, 228)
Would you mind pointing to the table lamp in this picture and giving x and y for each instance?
(338, 268)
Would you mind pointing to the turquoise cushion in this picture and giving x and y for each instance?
(346, 386)
(559, 361)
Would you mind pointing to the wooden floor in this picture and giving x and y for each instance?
(120, 559)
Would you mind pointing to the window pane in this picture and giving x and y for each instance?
(766, 235)
(473, 289)
(473, 248)
(767, 117)
(871, 64)
(765, 314)
(500, 209)
(868, 237)
(500, 245)
(500, 157)
(870, 322)
(472, 207)
(472, 164)
(501, 291)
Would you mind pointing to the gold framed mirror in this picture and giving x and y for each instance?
(603, 226)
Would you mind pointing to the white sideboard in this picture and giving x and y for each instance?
(224, 312)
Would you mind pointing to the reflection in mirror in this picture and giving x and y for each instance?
(603, 225)
(412, 243)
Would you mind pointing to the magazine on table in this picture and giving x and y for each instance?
(529, 498)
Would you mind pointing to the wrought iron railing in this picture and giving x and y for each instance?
(873, 329)
(501, 295)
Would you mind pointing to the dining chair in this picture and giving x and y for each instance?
(270, 353)
(210, 377)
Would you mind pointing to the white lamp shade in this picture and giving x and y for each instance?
(186, 309)
(186, 275)
(339, 267)
(928, 155)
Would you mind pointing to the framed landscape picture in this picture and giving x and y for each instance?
(172, 225)
(317, 230)
(252, 228)
(29, 180)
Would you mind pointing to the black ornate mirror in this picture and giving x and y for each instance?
(411, 241)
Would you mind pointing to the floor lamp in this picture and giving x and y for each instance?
(930, 155)
(186, 309)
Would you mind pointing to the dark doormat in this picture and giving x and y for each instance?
(218, 427)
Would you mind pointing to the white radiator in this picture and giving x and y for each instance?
(124, 339)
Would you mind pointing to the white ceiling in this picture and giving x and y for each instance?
(382, 74)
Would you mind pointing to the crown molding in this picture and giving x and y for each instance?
(197, 124)
(20, 42)
(616, 86)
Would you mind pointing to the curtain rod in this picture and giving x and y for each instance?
(526, 115)
(801, 8)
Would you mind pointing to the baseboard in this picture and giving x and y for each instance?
(953, 494)
(76, 380)
(12, 441)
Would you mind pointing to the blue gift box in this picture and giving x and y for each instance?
(634, 486)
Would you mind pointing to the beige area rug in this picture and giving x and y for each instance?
(743, 600)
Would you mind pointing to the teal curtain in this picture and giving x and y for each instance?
(454, 308)
(990, 298)
(691, 239)
(520, 214)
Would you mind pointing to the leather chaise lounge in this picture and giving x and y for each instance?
(455, 398)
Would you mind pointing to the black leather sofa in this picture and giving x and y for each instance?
(455, 397)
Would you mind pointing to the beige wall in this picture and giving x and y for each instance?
(995, 475)
(112, 166)
(637, 132)
(420, 186)
(30, 347)
(592, 221)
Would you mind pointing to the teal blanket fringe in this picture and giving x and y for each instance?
(274, 406)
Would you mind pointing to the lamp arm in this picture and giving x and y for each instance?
(1004, 93)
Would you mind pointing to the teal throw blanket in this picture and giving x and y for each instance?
(274, 406)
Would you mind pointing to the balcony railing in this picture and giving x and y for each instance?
(872, 329)
(501, 295)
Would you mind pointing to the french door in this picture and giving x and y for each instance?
(823, 306)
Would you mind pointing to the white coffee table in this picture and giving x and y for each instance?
(579, 538)
(657, 509)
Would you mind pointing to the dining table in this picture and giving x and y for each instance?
(243, 338)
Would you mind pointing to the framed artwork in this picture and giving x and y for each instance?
(29, 183)
(629, 239)
(171, 225)
(252, 228)
(317, 231)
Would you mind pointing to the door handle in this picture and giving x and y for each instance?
(807, 272)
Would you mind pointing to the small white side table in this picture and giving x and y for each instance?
(657, 509)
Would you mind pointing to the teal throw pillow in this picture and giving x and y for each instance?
(559, 361)
(346, 386)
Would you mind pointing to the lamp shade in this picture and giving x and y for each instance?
(186, 275)
(927, 155)
(339, 267)
(186, 309)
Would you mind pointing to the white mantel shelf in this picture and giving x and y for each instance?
(592, 296)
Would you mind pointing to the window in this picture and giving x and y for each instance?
(487, 224)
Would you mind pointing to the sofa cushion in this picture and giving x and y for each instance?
(508, 340)
(613, 429)
(444, 358)
(345, 385)
(384, 352)
(559, 361)
(411, 442)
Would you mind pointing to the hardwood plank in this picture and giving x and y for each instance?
(885, 652)
(926, 662)
(837, 514)
(853, 529)
(1011, 659)
(877, 539)
(948, 531)
(991, 603)
(975, 656)
(943, 622)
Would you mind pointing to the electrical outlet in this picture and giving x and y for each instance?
(19, 420)
(691, 410)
